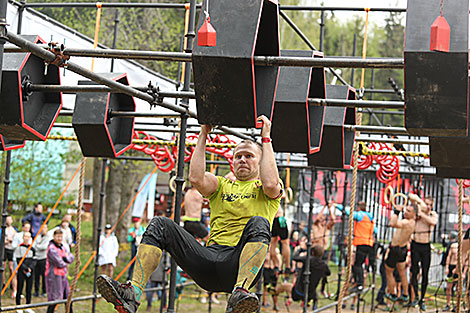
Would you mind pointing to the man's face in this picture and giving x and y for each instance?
(58, 238)
(9, 220)
(65, 224)
(246, 162)
(67, 218)
(44, 230)
(39, 208)
(409, 212)
(429, 204)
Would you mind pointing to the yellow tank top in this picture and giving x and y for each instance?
(233, 204)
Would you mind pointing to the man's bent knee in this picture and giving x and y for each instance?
(157, 230)
(258, 230)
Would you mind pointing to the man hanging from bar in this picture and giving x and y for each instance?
(398, 250)
(426, 220)
(241, 216)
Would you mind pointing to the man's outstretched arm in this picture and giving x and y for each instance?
(268, 169)
(205, 182)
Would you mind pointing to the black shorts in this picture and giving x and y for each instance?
(396, 255)
(269, 277)
(196, 228)
(8, 255)
(297, 295)
(450, 274)
(277, 230)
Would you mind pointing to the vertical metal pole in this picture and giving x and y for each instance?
(115, 35)
(98, 232)
(179, 180)
(354, 54)
(306, 265)
(341, 233)
(20, 16)
(322, 29)
(4, 216)
(3, 32)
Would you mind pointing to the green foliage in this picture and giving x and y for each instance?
(139, 28)
(36, 173)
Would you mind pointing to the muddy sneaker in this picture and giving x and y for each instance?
(122, 296)
(242, 301)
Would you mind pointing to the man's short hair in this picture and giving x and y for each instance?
(58, 232)
(318, 251)
(26, 222)
(249, 142)
(37, 204)
(362, 205)
(430, 198)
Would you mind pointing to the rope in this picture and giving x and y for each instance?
(459, 250)
(78, 233)
(119, 219)
(354, 180)
(40, 230)
(97, 30)
(156, 142)
(442, 7)
(367, 151)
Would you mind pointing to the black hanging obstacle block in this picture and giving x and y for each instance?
(230, 89)
(337, 142)
(6, 144)
(436, 83)
(297, 127)
(445, 172)
(450, 155)
(99, 133)
(26, 115)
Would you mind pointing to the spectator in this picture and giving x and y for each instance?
(35, 218)
(109, 250)
(41, 244)
(58, 257)
(18, 238)
(10, 232)
(26, 270)
(155, 281)
(68, 218)
(66, 233)
(134, 236)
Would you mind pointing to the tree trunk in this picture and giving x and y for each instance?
(97, 171)
(128, 190)
(113, 191)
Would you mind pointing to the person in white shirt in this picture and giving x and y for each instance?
(41, 244)
(10, 232)
(18, 237)
(67, 234)
(109, 250)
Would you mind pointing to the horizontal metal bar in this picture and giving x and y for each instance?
(50, 57)
(357, 103)
(181, 6)
(376, 129)
(77, 299)
(385, 112)
(330, 305)
(391, 91)
(100, 88)
(393, 140)
(135, 114)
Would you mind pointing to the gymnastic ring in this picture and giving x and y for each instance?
(289, 195)
(172, 184)
(398, 195)
(388, 194)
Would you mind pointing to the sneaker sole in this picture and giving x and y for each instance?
(248, 305)
(110, 294)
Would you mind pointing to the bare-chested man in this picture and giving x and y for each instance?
(321, 229)
(452, 276)
(421, 247)
(279, 231)
(398, 249)
(192, 219)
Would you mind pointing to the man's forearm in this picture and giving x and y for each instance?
(268, 169)
(197, 166)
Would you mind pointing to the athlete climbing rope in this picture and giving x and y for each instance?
(241, 215)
